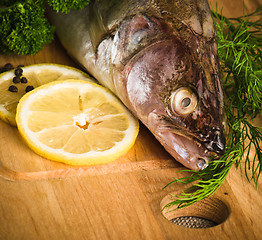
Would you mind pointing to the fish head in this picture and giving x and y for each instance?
(173, 86)
(160, 58)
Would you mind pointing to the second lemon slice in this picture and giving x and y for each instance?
(76, 122)
(36, 75)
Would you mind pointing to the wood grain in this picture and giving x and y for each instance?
(41, 199)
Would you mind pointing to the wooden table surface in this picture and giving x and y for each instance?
(41, 199)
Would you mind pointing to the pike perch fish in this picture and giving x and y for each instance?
(160, 58)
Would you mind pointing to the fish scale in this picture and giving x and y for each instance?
(153, 55)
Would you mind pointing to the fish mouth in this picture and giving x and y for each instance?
(185, 150)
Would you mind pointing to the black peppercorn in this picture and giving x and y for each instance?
(23, 80)
(13, 88)
(29, 88)
(19, 72)
(8, 67)
(16, 79)
(20, 65)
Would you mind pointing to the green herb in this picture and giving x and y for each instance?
(23, 27)
(239, 46)
(66, 5)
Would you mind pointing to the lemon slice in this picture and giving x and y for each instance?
(76, 122)
(36, 75)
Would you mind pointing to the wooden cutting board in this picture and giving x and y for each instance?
(41, 199)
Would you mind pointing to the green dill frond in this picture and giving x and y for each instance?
(208, 180)
(239, 48)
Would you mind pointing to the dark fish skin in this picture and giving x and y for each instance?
(160, 58)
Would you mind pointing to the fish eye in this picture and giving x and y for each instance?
(183, 101)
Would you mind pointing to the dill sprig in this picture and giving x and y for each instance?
(239, 47)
